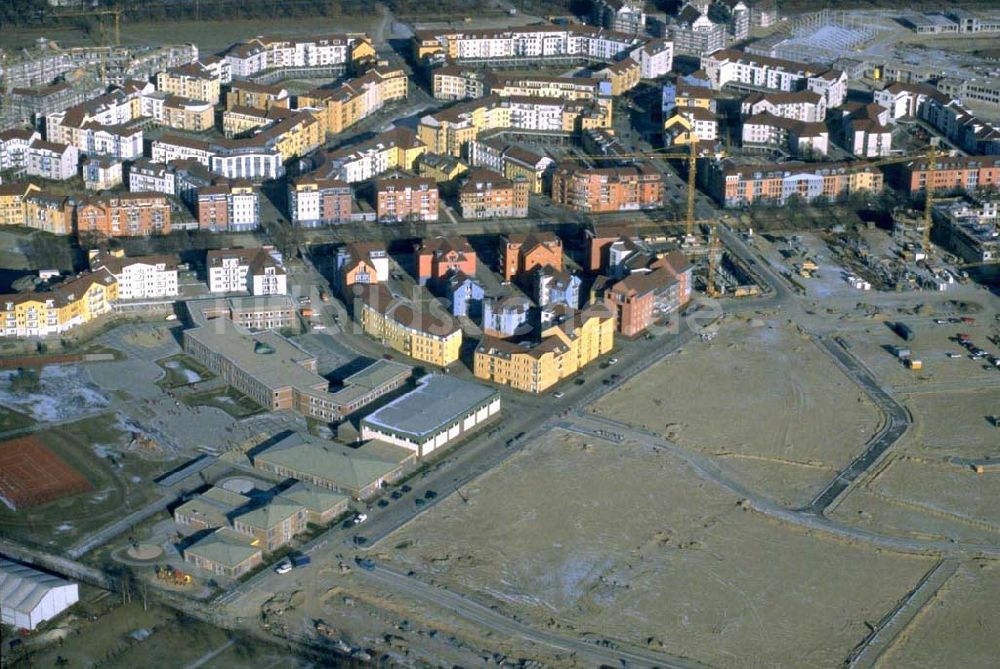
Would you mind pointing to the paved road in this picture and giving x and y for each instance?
(897, 423)
(487, 618)
(607, 428)
(892, 625)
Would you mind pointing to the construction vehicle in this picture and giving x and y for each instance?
(171, 575)
(325, 630)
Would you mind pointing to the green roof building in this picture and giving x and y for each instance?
(225, 553)
(359, 472)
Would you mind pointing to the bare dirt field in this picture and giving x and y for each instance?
(948, 424)
(772, 407)
(931, 344)
(626, 543)
(959, 628)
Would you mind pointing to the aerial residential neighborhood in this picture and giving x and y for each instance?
(499, 333)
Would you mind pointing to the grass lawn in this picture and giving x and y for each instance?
(231, 401)
(182, 370)
(13, 420)
(210, 36)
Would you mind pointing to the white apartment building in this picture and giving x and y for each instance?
(528, 43)
(807, 106)
(142, 277)
(244, 209)
(903, 100)
(655, 58)
(704, 122)
(49, 160)
(145, 176)
(269, 280)
(245, 270)
(14, 148)
(362, 164)
(730, 66)
(533, 113)
(866, 138)
(264, 53)
(256, 164)
(172, 147)
(800, 137)
(831, 84)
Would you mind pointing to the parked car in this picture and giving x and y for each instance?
(365, 563)
(360, 518)
(613, 361)
(283, 567)
(559, 394)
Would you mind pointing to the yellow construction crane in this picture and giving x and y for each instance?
(691, 156)
(931, 157)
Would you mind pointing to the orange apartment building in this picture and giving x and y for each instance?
(486, 194)
(125, 215)
(603, 189)
(361, 263)
(950, 173)
(406, 199)
(735, 185)
(521, 253)
(438, 257)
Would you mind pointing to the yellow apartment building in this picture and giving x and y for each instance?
(256, 96)
(564, 349)
(12, 204)
(190, 81)
(418, 334)
(192, 115)
(49, 213)
(623, 75)
(239, 121)
(71, 304)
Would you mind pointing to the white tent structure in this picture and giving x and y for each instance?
(29, 597)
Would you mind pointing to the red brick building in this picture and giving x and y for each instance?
(126, 215)
(406, 199)
(439, 256)
(664, 281)
(958, 172)
(213, 207)
(521, 253)
(602, 189)
(486, 194)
